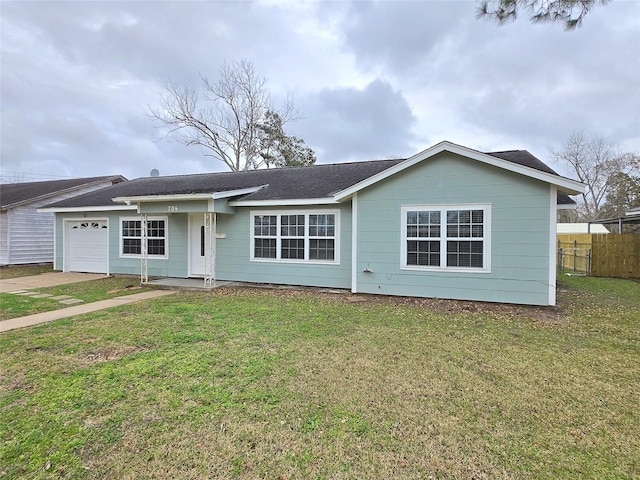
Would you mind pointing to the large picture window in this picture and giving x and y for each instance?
(295, 236)
(131, 237)
(446, 237)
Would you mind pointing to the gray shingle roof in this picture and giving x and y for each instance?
(12, 194)
(317, 181)
(523, 157)
(299, 183)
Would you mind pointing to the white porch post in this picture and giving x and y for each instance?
(210, 230)
(144, 253)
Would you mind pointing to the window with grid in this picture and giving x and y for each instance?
(446, 237)
(423, 238)
(265, 234)
(322, 232)
(131, 234)
(292, 236)
(465, 238)
(295, 236)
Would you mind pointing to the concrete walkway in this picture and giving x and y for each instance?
(53, 279)
(45, 317)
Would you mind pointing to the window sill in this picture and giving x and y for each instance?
(295, 262)
(446, 269)
(154, 257)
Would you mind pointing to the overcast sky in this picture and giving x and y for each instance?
(372, 79)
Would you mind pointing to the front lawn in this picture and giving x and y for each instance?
(14, 306)
(243, 383)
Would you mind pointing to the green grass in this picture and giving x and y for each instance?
(263, 384)
(92, 291)
(15, 271)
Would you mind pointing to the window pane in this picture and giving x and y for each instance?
(292, 248)
(131, 246)
(322, 225)
(131, 228)
(264, 248)
(423, 253)
(423, 224)
(155, 228)
(465, 254)
(292, 225)
(264, 225)
(155, 246)
(321, 249)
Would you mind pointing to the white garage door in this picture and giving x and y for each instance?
(88, 246)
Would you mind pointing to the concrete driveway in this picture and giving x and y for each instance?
(51, 279)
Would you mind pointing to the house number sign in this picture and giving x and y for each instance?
(173, 208)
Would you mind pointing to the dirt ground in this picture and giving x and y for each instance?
(554, 314)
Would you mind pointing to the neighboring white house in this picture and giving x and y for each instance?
(566, 228)
(26, 236)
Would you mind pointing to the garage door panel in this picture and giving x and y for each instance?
(88, 248)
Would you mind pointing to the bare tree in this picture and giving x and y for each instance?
(224, 120)
(569, 12)
(598, 164)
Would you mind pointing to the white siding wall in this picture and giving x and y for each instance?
(4, 260)
(30, 233)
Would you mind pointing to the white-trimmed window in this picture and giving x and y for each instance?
(295, 236)
(446, 237)
(131, 237)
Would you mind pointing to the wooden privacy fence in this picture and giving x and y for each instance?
(616, 255)
(600, 255)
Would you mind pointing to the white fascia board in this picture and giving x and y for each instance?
(163, 198)
(186, 197)
(235, 193)
(564, 185)
(283, 203)
(102, 208)
(566, 206)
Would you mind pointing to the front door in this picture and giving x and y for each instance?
(196, 245)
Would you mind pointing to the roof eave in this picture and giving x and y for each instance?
(163, 198)
(94, 208)
(283, 202)
(66, 190)
(565, 185)
(182, 197)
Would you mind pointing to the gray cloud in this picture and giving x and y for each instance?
(354, 124)
(372, 79)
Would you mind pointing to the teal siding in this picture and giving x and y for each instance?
(175, 265)
(519, 232)
(234, 254)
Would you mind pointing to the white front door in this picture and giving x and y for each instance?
(196, 245)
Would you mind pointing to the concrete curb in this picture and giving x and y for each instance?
(45, 317)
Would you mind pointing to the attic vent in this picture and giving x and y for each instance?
(154, 173)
